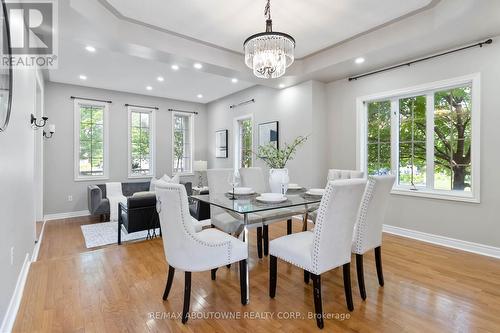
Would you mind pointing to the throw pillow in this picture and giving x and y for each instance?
(174, 180)
(152, 185)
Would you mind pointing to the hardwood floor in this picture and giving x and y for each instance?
(119, 289)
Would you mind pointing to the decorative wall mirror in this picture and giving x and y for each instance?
(269, 133)
(5, 71)
(221, 150)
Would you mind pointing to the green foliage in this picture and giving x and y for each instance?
(140, 143)
(277, 158)
(452, 139)
(180, 133)
(91, 140)
(246, 143)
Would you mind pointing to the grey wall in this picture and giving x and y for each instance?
(17, 206)
(471, 222)
(58, 156)
(300, 110)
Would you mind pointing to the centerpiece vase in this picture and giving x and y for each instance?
(277, 178)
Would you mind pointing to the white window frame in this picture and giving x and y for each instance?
(191, 147)
(76, 123)
(152, 140)
(236, 139)
(426, 89)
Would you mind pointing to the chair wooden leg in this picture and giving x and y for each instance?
(378, 262)
(289, 226)
(318, 305)
(265, 239)
(346, 269)
(259, 242)
(213, 273)
(170, 279)
(243, 281)
(187, 296)
(361, 275)
(306, 277)
(273, 271)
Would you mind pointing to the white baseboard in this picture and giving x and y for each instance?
(485, 250)
(15, 301)
(36, 249)
(68, 215)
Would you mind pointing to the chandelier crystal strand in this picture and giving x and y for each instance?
(269, 53)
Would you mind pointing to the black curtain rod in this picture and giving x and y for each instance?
(487, 42)
(142, 106)
(242, 103)
(91, 99)
(175, 110)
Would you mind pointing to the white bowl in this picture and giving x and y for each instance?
(271, 197)
(316, 191)
(294, 187)
(243, 190)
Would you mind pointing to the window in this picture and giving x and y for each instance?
(182, 142)
(244, 142)
(91, 137)
(428, 136)
(141, 140)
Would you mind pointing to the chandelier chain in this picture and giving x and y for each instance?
(267, 10)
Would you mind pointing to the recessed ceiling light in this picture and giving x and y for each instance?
(175, 67)
(199, 96)
(149, 88)
(359, 60)
(160, 79)
(197, 65)
(90, 48)
(282, 85)
(83, 77)
(234, 80)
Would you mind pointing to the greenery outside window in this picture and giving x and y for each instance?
(182, 148)
(141, 141)
(91, 140)
(428, 136)
(246, 136)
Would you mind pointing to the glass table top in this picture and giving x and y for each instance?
(245, 204)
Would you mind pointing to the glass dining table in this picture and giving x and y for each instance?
(244, 205)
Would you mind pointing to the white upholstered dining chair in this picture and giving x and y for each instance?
(254, 177)
(368, 229)
(229, 222)
(335, 174)
(328, 246)
(192, 251)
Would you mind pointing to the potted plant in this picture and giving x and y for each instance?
(276, 159)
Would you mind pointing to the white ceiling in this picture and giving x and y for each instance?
(118, 71)
(315, 24)
(130, 54)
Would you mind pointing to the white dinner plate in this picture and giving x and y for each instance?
(242, 191)
(271, 197)
(316, 191)
(294, 187)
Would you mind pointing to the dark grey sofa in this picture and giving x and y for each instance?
(99, 204)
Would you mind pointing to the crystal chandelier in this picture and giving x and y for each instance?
(269, 53)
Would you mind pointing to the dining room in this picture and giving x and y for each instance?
(235, 166)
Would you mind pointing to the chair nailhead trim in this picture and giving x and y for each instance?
(361, 222)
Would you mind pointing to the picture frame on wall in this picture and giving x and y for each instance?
(221, 144)
(269, 133)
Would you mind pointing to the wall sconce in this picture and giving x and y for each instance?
(36, 125)
(52, 130)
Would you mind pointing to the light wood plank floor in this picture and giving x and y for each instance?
(119, 289)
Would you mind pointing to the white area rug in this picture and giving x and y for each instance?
(99, 234)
